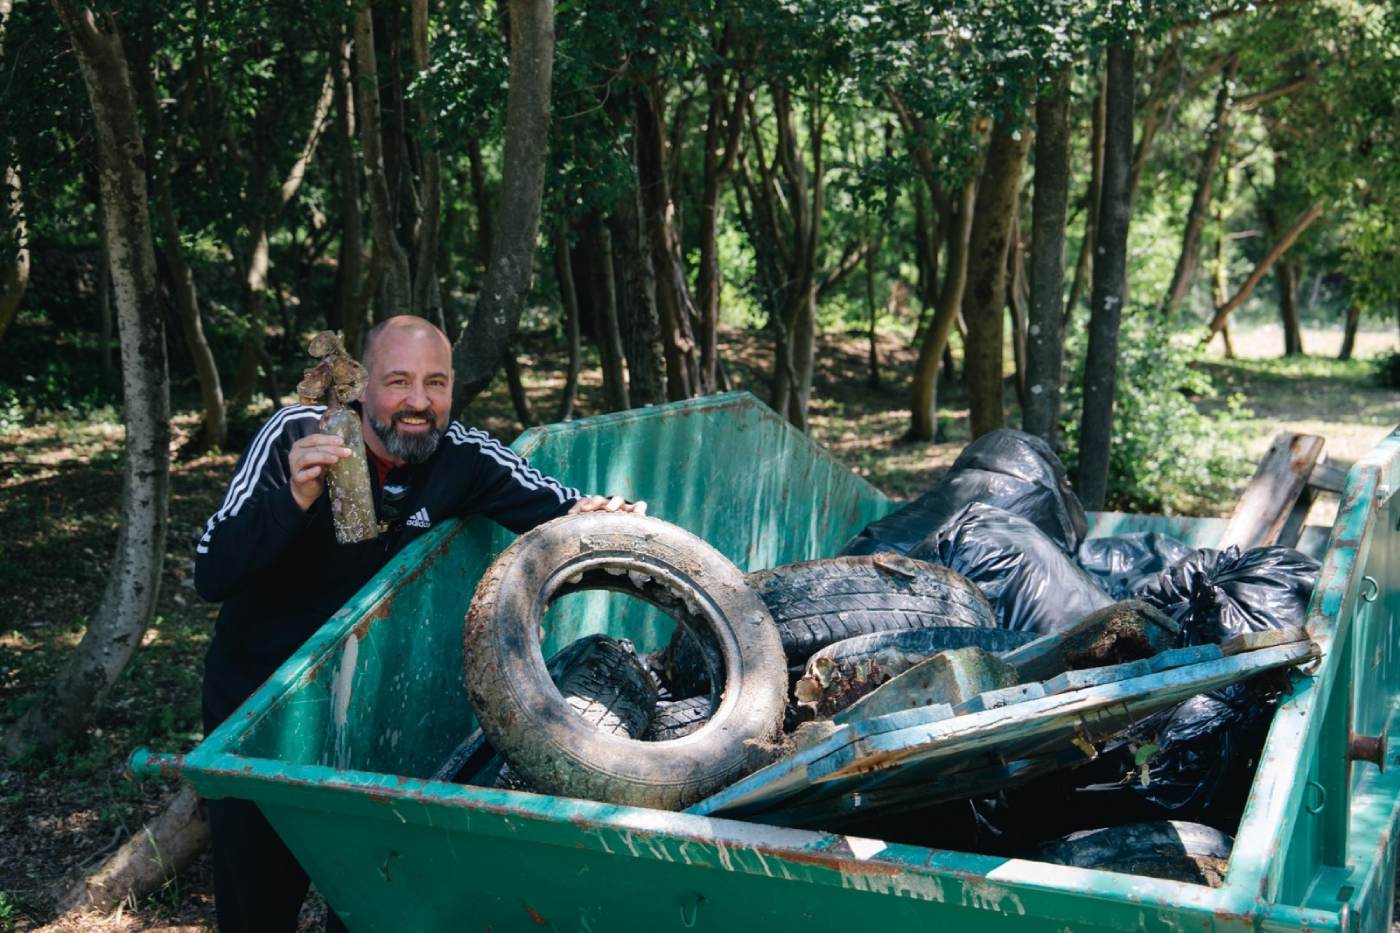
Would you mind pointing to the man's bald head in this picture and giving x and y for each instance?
(408, 326)
(409, 393)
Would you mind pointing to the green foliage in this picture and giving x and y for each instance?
(1388, 370)
(1167, 455)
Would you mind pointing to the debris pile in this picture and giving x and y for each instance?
(975, 650)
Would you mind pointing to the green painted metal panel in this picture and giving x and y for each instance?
(337, 745)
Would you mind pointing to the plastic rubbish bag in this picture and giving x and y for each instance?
(1215, 595)
(1123, 562)
(1013, 470)
(1033, 585)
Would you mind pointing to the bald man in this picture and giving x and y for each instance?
(269, 554)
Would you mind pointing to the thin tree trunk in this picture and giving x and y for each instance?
(389, 279)
(1216, 142)
(507, 284)
(482, 201)
(923, 421)
(1110, 265)
(984, 301)
(673, 302)
(68, 704)
(427, 297)
(1017, 297)
(1084, 265)
(14, 278)
(568, 295)
(215, 429)
(1049, 205)
(154, 854)
(638, 319)
(1261, 269)
(350, 314)
(1288, 308)
(1349, 335)
(872, 378)
(516, 383)
(1155, 112)
(104, 305)
(609, 329)
(722, 123)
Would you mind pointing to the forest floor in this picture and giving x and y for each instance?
(60, 484)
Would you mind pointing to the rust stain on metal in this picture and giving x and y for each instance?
(534, 915)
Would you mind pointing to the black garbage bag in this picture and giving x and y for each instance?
(1013, 470)
(1033, 585)
(1121, 563)
(1194, 761)
(1215, 595)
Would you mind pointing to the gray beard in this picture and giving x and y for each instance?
(409, 449)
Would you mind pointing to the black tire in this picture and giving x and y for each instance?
(676, 718)
(819, 602)
(1170, 849)
(604, 682)
(526, 718)
(925, 641)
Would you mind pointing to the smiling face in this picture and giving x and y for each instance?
(407, 404)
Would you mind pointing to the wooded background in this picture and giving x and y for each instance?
(1052, 204)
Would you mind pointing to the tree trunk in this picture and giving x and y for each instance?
(1017, 297)
(1349, 335)
(638, 321)
(14, 276)
(350, 315)
(104, 305)
(1110, 266)
(923, 422)
(1155, 111)
(1049, 206)
(1288, 308)
(1216, 141)
(984, 301)
(68, 704)
(389, 285)
(568, 295)
(427, 297)
(673, 302)
(1084, 265)
(211, 392)
(516, 383)
(507, 284)
(154, 854)
(723, 124)
(14, 279)
(872, 377)
(606, 321)
(1261, 269)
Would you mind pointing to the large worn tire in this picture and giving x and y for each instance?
(557, 751)
(1169, 849)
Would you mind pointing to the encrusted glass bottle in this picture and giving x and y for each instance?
(336, 381)
(347, 482)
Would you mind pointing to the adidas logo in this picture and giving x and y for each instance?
(419, 519)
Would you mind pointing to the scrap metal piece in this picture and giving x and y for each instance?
(1125, 631)
(840, 674)
(949, 677)
(924, 756)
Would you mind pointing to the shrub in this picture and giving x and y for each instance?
(1167, 455)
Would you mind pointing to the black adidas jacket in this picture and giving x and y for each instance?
(279, 571)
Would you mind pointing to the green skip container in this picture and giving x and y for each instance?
(340, 747)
